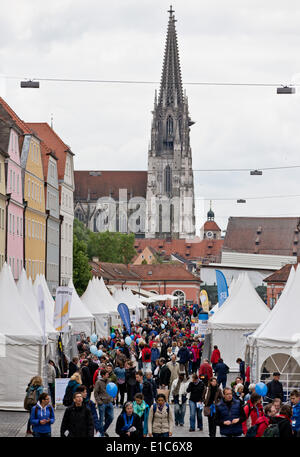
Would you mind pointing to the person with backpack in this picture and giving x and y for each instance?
(75, 381)
(281, 426)
(206, 371)
(253, 411)
(42, 417)
(77, 421)
(262, 422)
(33, 391)
(146, 358)
(160, 421)
(221, 370)
(211, 397)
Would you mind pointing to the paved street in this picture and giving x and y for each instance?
(14, 424)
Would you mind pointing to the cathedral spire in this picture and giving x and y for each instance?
(171, 92)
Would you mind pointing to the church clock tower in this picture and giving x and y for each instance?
(170, 185)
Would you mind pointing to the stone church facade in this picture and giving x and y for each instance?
(158, 203)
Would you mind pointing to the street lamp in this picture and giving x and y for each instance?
(241, 200)
(30, 84)
(256, 172)
(286, 90)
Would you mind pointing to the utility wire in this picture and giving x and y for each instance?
(124, 81)
(246, 169)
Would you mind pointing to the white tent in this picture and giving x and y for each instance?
(140, 309)
(91, 299)
(275, 345)
(80, 318)
(21, 340)
(109, 303)
(48, 300)
(241, 313)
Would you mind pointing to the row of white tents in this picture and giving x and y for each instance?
(24, 349)
(269, 340)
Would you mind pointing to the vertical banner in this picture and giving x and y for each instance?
(204, 300)
(42, 311)
(62, 309)
(202, 323)
(125, 316)
(222, 287)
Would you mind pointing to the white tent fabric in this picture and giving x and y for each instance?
(121, 296)
(279, 333)
(241, 313)
(108, 303)
(49, 302)
(22, 357)
(81, 318)
(91, 299)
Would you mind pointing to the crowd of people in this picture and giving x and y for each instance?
(157, 370)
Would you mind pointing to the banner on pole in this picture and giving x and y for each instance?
(125, 316)
(222, 287)
(203, 324)
(204, 300)
(62, 309)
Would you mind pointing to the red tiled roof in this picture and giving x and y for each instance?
(113, 271)
(263, 235)
(53, 142)
(197, 250)
(21, 124)
(280, 275)
(164, 272)
(211, 225)
(108, 183)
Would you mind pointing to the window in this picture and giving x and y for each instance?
(13, 267)
(168, 183)
(14, 181)
(29, 228)
(180, 295)
(21, 228)
(13, 223)
(17, 225)
(169, 126)
(18, 267)
(32, 189)
(21, 265)
(17, 183)
(10, 179)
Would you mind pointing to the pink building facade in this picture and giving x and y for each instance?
(15, 207)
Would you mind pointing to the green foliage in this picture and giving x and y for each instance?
(80, 231)
(81, 268)
(144, 262)
(112, 247)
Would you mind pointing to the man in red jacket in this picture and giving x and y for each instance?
(205, 370)
(216, 355)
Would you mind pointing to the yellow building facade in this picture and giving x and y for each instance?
(35, 216)
(2, 208)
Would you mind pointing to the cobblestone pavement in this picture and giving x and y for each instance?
(14, 424)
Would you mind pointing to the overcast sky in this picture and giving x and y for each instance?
(108, 125)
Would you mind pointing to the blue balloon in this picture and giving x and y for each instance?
(261, 389)
(113, 335)
(137, 340)
(99, 353)
(132, 337)
(93, 349)
(112, 389)
(165, 322)
(162, 326)
(94, 338)
(128, 340)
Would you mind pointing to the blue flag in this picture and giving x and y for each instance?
(222, 287)
(125, 316)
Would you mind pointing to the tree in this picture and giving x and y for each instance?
(79, 229)
(111, 247)
(144, 262)
(81, 268)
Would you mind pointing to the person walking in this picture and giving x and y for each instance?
(160, 421)
(141, 408)
(42, 417)
(253, 411)
(130, 380)
(144, 387)
(215, 357)
(275, 388)
(75, 381)
(212, 396)
(33, 391)
(183, 358)
(221, 370)
(86, 377)
(230, 415)
(104, 403)
(129, 424)
(91, 405)
(295, 403)
(174, 368)
(196, 389)
(241, 368)
(155, 354)
(120, 374)
(164, 374)
(146, 358)
(265, 420)
(51, 375)
(77, 421)
(73, 366)
(205, 371)
(178, 394)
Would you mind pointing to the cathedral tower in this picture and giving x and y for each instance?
(170, 185)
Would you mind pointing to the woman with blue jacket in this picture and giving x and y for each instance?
(42, 417)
